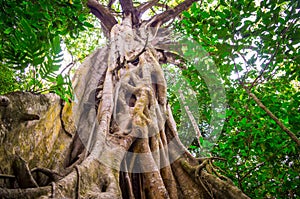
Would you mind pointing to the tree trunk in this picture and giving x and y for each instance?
(117, 140)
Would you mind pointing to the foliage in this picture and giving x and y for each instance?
(7, 82)
(31, 36)
(254, 45)
(87, 41)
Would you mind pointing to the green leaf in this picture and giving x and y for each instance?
(56, 45)
(186, 14)
(201, 140)
(8, 30)
(60, 79)
(194, 8)
(82, 17)
(87, 24)
(37, 61)
(26, 26)
(204, 14)
(241, 96)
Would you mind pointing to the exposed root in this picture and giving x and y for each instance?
(200, 167)
(215, 187)
(22, 173)
(53, 188)
(63, 125)
(77, 188)
(53, 175)
(24, 193)
(4, 176)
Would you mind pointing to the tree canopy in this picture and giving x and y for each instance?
(254, 45)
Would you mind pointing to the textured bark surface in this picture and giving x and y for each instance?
(118, 139)
(31, 127)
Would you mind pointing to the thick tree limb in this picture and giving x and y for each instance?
(170, 14)
(127, 6)
(128, 9)
(145, 6)
(105, 16)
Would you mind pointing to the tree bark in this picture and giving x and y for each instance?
(118, 139)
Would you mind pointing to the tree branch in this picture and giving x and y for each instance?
(267, 65)
(103, 14)
(262, 106)
(249, 172)
(171, 58)
(145, 6)
(170, 14)
(283, 36)
(280, 124)
(191, 117)
(127, 6)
